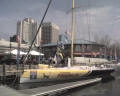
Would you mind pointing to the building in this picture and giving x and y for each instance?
(50, 33)
(64, 38)
(81, 47)
(7, 46)
(27, 29)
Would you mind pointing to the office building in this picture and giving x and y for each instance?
(27, 29)
(50, 33)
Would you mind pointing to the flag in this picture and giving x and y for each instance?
(18, 39)
(83, 47)
(105, 53)
(83, 50)
(115, 54)
(111, 54)
(100, 56)
(100, 50)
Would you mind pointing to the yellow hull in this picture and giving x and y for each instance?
(50, 74)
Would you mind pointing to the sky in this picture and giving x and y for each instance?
(101, 17)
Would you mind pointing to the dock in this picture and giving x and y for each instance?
(41, 91)
(6, 91)
(46, 90)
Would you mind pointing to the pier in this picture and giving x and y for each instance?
(47, 90)
(6, 91)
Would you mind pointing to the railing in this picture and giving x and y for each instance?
(12, 69)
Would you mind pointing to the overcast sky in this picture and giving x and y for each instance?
(94, 16)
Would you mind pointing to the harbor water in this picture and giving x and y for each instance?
(110, 87)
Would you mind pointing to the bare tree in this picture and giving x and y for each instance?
(104, 40)
(108, 43)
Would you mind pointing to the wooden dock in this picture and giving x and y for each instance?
(47, 90)
(41, 91)
(6, 91)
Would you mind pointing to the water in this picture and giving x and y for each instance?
(110, 87)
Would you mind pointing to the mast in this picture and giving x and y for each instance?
(24, 60)
(72, 37)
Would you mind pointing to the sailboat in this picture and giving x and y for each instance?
(70, 72)
(50, 73)
(99, 70)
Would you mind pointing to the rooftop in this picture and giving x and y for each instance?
(76, 41)
(4, 43)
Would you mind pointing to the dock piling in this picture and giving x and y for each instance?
(4, 74)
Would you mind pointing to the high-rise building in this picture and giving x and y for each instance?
(27, 29)
(50, 33)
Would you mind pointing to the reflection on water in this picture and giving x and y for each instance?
(109, 88)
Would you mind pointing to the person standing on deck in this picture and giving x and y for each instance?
(59, 54)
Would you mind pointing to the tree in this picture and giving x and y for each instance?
(104, 40)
